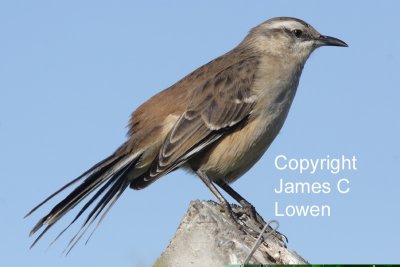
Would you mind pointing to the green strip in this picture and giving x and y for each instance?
(313, 265)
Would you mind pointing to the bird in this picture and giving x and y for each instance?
(216, 122)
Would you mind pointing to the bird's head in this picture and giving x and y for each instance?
(289, 37)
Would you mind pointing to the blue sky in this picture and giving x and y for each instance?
(71, 73)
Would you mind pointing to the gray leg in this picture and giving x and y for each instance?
(250, 210)
(215, 191)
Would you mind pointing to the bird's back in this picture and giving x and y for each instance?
(151, 122)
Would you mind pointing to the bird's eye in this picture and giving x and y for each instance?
(297, 33)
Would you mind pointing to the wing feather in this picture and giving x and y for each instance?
(216, 106)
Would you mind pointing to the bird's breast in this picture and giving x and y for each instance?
(237, 152)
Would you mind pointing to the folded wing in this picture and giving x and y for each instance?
(216, 107)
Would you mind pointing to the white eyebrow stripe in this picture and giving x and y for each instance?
(286, 24)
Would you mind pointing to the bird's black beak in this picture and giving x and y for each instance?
(324, 40)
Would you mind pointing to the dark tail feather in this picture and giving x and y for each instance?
(110, 173)
(107, 201)
(89, 184)
(92, 169)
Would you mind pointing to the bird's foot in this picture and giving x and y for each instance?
(227, 209)
(254, 216)
(251, 212)
(234, 214)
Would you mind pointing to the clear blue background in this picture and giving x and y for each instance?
(71, 72)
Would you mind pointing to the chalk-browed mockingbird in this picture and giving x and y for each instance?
(216, 122)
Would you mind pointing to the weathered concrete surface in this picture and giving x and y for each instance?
(206, 237)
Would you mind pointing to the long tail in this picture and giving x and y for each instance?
(110, 175)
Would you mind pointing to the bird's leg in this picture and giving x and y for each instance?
(250, 210)
(248, 207)
(207, 181)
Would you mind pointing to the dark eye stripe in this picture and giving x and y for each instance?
(304, 36)
(297, 33)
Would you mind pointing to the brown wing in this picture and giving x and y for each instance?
(216, 106)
